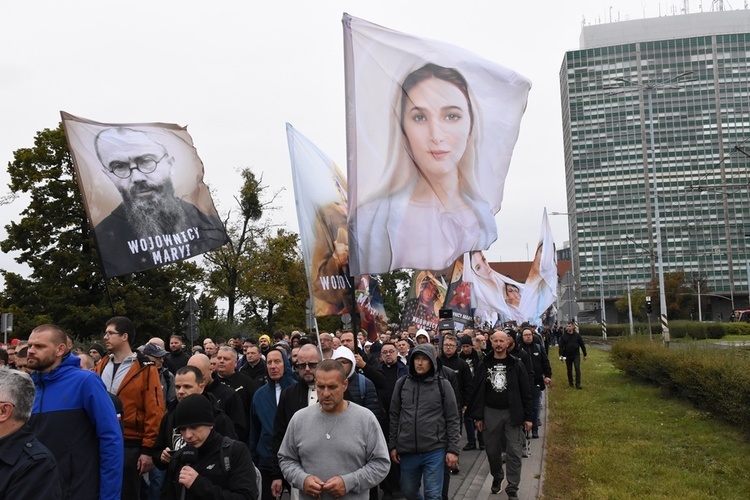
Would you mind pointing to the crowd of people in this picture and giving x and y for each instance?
(320, 416)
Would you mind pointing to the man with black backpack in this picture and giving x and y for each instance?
(424, 426)
(210, 465)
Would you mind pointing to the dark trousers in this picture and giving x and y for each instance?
(536, 405)
(131, 479)
(470, 430)
(391, 482)
(499, 434)
(569, 364)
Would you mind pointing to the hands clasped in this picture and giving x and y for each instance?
(314, 486)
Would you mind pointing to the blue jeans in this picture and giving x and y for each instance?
(415, 466)
(156, 480)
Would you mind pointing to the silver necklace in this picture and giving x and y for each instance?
(328, 434)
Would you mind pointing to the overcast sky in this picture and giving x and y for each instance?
(235, 71)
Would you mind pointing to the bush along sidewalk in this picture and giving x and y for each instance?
(678, 329)
(715, 380)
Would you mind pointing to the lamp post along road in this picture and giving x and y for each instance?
(630, 309)
(572, 317)
(649, 89)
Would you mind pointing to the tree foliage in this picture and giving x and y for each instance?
(680, 297)
(275, 283)
(227, 265)
(638, 302)
(53, 238)
(395, 286)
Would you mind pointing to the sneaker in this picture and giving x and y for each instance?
(470, 446)
(497, 486)
(579, 387)
(481, 446)
(535, 435)
(512, 496)
(525, 454)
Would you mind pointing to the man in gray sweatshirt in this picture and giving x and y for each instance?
(334, 449)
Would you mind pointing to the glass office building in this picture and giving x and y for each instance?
(696, 68)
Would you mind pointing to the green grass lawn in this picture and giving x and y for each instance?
(619, 438)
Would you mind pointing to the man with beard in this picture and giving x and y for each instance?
(177, 357)
(151, 226)
(74, 417)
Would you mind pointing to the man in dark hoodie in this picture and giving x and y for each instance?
(263, 412)
(424, 426)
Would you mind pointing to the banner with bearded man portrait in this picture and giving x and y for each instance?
(142, 187)
(430, 133)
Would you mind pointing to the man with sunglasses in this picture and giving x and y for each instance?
(151, 226)
(293, 399)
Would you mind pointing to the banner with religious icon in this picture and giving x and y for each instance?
(510, 300)
(430, 133)
(143, 191)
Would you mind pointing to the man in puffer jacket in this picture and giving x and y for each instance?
(424, 426)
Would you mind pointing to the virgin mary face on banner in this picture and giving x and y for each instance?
(427, 211)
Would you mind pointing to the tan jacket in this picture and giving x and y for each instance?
(142, 400)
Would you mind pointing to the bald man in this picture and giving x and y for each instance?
(151, 226)
(228, 400)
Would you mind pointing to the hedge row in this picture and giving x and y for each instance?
(679, 329)
(713, 379)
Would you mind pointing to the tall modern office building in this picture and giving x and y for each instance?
(670, 95)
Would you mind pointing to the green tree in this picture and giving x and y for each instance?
(637, 300)
(681, 300)
(395, 286)
(66, 285)
(227, 265)
(275, 285)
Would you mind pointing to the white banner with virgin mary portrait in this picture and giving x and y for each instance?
(320, 194)
(511, 300)
(142, 187)
(430, 133)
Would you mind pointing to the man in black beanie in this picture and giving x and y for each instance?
(210, 466)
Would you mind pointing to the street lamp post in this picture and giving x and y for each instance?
(630, 309)
(601, 297)
(572, 257)
(648, 89)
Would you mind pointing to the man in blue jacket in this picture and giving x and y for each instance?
(263, 412)
(74, 417)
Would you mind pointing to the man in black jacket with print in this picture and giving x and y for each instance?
(502, 408)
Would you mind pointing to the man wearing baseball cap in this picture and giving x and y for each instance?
(209, 466)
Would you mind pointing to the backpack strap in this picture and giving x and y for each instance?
(224, 452)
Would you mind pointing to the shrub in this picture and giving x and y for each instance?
(713, 379)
